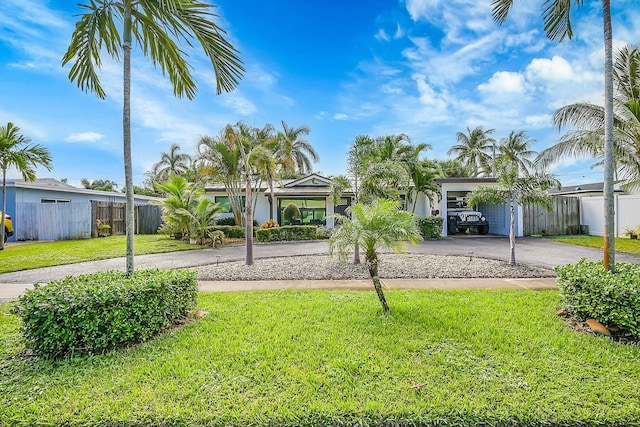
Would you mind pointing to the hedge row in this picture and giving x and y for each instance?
(288, 232)
(95, 312)
(613, 298)
(230, 231)
(430, 226)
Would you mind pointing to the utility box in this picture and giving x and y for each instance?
(584, 229)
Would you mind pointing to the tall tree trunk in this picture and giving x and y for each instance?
(248, 227)
(4, 207)
(512, 235)
(356, 254)
(126, 132)
(609, 209)
(372, 263)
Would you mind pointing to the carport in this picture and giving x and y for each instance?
(454, 192)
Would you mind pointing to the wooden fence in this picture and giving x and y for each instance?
(71, 221)
(147, 217)
(564, 218)
(53, 221)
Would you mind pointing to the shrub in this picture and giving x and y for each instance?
(613, 298)
(230, 231)
(226, 221)
(430, 226)
(270, 224)
(291, 212)
(287, 232)
(95, 312)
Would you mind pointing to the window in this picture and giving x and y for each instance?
(226, 204)
(55, 201)
(312, 211)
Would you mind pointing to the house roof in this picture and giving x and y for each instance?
(51, 184)
(310, 185)
(592, 188)
(465, 180)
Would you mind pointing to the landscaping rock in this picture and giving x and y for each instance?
(598, 327)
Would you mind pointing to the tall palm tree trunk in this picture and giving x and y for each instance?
(609, 209)
(4, 207)
(248, 227)
(126, 131)
(372, 263)
(512, 235)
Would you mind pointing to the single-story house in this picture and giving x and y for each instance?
(29, 203)
(311, 194)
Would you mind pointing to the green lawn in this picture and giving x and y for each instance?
(631, 246)
(318, 358)
(44, 254)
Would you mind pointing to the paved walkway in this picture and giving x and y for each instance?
(535, 251)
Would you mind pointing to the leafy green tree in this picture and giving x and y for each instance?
(99, 184)
(473, 149)
(381, 225)
(15, 152)
(293, 153)
(172, 163)
(516, 148)
(587, 119)
(221, 160)
(452, 169)
(161, 29)
(515, 189)
(557, 25)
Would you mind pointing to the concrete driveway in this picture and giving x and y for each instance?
(536, 251)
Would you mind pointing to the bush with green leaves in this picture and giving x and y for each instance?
(230, 231)
(612, 298)
(96, 312)
(287, 233)
(430, 226)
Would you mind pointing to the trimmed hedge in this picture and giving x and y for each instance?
(590, 291)
(96, 312)
(287, 232)
(430, 226)
(230, 231)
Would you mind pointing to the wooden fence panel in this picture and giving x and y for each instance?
(564, 218)
(148, 219)
(53, 221)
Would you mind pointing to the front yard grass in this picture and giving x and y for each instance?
(45, 254)
(318, 358)
(631, 246)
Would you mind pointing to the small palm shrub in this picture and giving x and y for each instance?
(96, 312)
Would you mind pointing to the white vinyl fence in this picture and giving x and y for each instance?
(53, 221)
(627, 208)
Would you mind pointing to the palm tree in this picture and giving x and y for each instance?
(221, 160)
(15, 152)
(557, 25)
(516, 149)
(587, 139)
(99, 184)
(381, 225)
(294, 154)
(452, 169)
(473, 148)
(153, 25)
(514, 189)
(171, 163)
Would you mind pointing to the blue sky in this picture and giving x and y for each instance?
(426, 68)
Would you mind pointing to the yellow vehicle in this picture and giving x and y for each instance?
(8, 226)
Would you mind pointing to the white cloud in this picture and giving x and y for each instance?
(503, 83)
(556, 69)
(238, 103)
(340, 116)
(85, 137)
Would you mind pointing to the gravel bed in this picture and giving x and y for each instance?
(392, 266)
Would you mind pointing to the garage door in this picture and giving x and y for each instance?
(498, 217)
